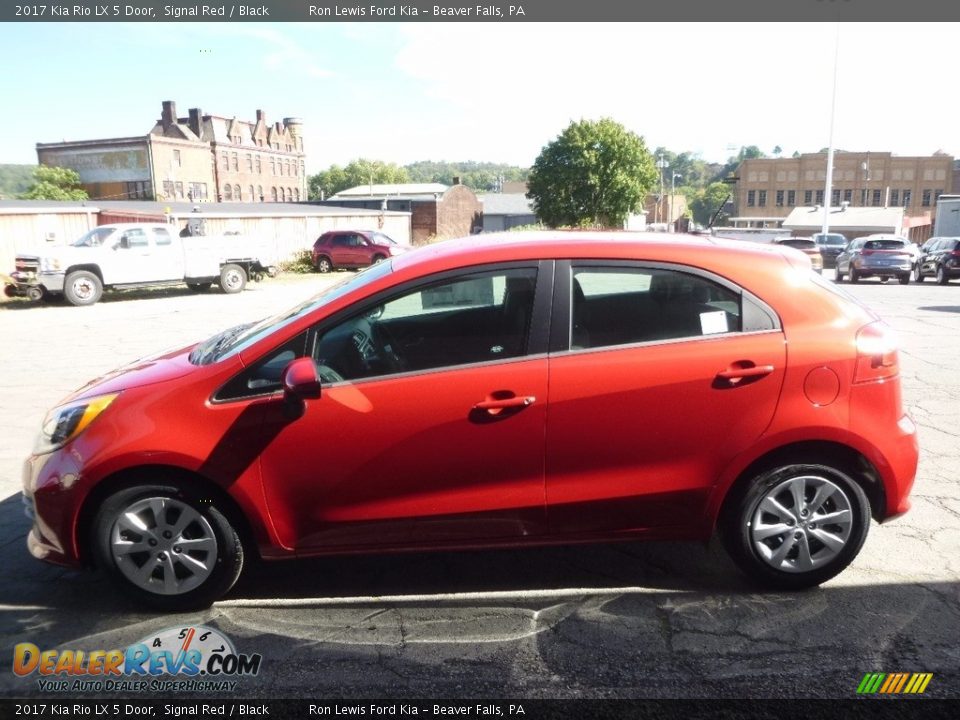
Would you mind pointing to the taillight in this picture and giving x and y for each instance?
(876, 354)
(867, 252)
(956, 253)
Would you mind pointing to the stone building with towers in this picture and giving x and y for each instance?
(198, 158)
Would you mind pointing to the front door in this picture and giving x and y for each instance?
(430, 427)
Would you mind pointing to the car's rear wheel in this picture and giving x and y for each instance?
(166, 547)
(323, 264)
(854, 275)
(837, 275)
(796, 526)
(942, 278)
(917, 273)
(904, 279)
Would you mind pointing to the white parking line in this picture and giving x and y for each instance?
(442, 597)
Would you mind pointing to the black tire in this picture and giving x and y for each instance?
(199, 287)
(82, 287)
(837, 275)
(904, 279)
(228, 548)
(233, 278)
(917, 273)
(324, 265)
(378, 259)
(942, 278)
(854, 275)
(743, 506)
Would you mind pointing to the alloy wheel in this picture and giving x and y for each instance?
(801, 524)
(163, 546)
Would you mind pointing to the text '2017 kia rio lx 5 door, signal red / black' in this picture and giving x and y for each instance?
(495, 391)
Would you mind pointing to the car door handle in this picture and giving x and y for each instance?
(743, 370)
(505, 403)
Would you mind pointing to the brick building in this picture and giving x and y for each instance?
(768, 189)
(437, 211)
(198, 158)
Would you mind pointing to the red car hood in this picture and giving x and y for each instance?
(145, 371)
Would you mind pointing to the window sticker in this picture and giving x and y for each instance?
(714, 322)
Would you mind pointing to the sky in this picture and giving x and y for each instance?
(490, 92)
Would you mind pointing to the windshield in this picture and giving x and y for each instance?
(831, 240)
(94, 238)
(229, 342)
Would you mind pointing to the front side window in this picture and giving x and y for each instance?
(134, 238)
(470, 319)
(620, 306)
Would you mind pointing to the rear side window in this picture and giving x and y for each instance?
(619, 306)
(161, 236)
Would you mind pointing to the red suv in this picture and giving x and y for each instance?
(495, 391)
(353, 249)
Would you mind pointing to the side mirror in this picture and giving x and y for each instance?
(300, 380)
(124, 243)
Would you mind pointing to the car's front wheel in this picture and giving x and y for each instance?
(323, 264)
(166, 547)
(82, 287)
(796, 526)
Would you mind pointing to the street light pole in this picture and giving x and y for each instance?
(673, 180)
(828, 188)
(663, 165)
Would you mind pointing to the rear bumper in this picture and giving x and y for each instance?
(869, 270)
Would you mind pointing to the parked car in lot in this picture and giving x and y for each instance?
(940, 259)
(831, 245)
(498, 391)
(883, 256)
(807, 246)
(137, 255)
(353, 249)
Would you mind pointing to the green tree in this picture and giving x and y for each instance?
(693, 171)
(593, 174)
(54, 183)
(704, 202)
(357, 172)
(15, 179)
(479, 176)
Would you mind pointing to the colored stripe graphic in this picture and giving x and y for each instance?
(894, 683)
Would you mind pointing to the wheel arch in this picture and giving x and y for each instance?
(824, 452)
(159, 474)
(89, 267)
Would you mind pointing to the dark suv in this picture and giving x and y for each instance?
(831, 245)
(941, 259)
(353, 249)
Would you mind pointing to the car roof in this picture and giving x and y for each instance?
(694, 250)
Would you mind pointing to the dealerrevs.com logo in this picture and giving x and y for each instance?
(176, 659)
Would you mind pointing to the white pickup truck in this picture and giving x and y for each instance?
(134, 255)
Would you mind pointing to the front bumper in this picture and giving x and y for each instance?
(21, 283)
(51, 501)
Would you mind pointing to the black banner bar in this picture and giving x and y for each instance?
(517, 709)
(496, 11)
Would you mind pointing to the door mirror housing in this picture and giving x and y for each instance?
(300, 380)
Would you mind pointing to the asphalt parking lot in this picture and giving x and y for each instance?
(630, 620)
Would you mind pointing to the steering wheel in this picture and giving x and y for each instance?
(387, 347)
(328, 375)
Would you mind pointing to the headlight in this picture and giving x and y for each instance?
(64, 423)
(49, 265)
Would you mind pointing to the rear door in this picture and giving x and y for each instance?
(661, 376)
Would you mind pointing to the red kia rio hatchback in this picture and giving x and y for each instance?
(496, 391)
